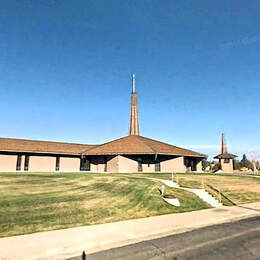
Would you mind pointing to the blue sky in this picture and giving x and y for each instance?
(65, 71)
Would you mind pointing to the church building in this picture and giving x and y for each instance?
(132, 153)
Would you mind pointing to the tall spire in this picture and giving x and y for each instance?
(134, 121)
(223, 144)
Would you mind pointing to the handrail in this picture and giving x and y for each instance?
(216, 192)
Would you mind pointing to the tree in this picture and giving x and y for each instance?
(215, 166)
(205, 164)
(246, 163)
(237, 164)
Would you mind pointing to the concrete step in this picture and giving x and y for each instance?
(208, 198)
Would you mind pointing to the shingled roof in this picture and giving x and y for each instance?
(33, 146)
(135, 144)
(132, 144)
(225, 156)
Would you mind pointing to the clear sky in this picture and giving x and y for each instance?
(65, 70)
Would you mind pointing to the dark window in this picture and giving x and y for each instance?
(193, 165)
(226, 160)
(57, 167)
(105, 168)
(140, 165)
(26, 162)
(157, 166)
(18, 162)
(84, 164)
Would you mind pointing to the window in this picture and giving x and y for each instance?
(105, 168)
(226, 160)
(18, 162)
(140, 166)
(26, 162)
(84, 164)
(157, 166)
(57, 167)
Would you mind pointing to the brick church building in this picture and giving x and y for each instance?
(132, 153)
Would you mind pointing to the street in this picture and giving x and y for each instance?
(236, 240)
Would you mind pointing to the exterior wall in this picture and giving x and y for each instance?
(41, 164)
(148, 167)
(173, 165)
(69, 164)
(97, 164)
(127, 165)
(112, 164)
(199, 166)
(8, 163)
(227, 167)
(22, 162)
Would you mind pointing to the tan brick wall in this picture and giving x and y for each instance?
(42, 164)
(148, 167)
(227, 167)
(69, 164)
(173, 165)
(127, 165)
(8, 163)
(93, 166)
(97, 164)
(112, 164)
(22, 162)
(199, 166)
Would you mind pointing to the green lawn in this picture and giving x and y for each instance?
(37, 202)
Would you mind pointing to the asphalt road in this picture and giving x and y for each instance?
(235, 240)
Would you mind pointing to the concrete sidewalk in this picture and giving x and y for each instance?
(60, 244)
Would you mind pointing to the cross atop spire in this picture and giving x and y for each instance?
(223, 145)
(134, 121)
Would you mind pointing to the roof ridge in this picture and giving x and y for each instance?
(43, 141)
(100, 145)
(147, 144)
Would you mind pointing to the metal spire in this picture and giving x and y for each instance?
(134, 120)
(223, 145)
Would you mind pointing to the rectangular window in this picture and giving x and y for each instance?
(57, 167)
(84, 164)
(157, 166)
(18, 162)
(26, 162)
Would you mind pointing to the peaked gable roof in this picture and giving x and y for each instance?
(134, 144)
(35, 146)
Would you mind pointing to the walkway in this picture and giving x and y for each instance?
(201, 193)
(60, 244)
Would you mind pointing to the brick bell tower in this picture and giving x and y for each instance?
(226, 159)
(134, 121)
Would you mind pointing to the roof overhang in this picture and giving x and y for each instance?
(225, 156)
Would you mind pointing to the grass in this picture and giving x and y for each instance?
(39, 202)
(236, 188)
